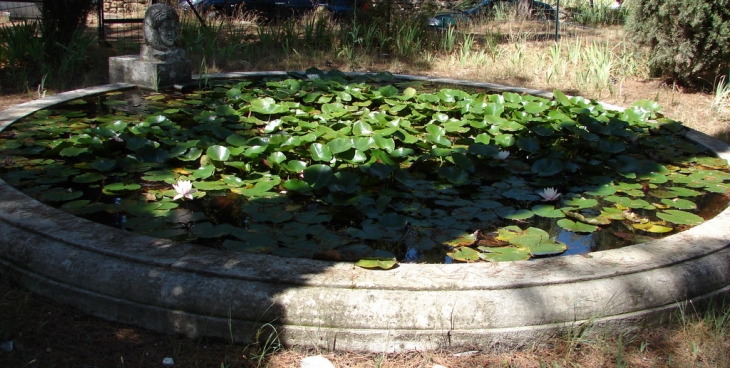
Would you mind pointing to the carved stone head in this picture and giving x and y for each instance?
(161, 27)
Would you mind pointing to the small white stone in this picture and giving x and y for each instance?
(168, 361)
(466, 353)
(317, 361)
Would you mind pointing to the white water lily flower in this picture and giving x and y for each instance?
(313, 76)
(549, 194)
(502, 155)
(184, 188)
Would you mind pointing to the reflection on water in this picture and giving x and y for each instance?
(577, 243)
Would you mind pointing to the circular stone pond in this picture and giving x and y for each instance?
(183, 288)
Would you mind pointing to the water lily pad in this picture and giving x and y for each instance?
(505, 140)
(103, 164)
(660, 193)
(209, 230)
(267, 105)
(183, 216)
(218, 153)
(587, 218)
(630, 202)
(654, 178)
(204, 172)
(377, 263)
(547, 248)
(411, 170)
(73, 151)
(547, 167)
(684, 192)
(89, 177)
(504, 254)
(464, 254)
(296, 166)
(313, 217)
(210, 185)
(529, 237)
(651, 227)
(680, 203)
(83, 207)
(454, 174)
(548, 211)
(454, 237)
(120, 187)
(576, 227)
(721, 188)
(318, 176)
(60, 194)
(297, 185)
(160, 175)
(714, 162)
(602, 190)
(320, 152)
(581, 203)
(680, 217)
(143, 224)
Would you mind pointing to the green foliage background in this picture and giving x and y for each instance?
(61, 18)
(690, 39)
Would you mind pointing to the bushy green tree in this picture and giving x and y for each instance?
(689, 39)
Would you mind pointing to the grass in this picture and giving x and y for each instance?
(598, 63)
(721, 100)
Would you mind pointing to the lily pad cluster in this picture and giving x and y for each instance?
(366, 168)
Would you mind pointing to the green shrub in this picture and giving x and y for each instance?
(598, 15)
(689, 39)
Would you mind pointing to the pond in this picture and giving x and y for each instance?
(368, 169)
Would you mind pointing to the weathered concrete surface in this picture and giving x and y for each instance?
(149, 74)
(173, 287)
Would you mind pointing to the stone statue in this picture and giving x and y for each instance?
(160, 64)
(161, 30)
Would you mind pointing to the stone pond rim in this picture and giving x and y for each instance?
(182, 288)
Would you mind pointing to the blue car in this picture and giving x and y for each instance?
(274, 7)
(469, 9)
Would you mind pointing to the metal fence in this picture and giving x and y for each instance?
(118, 21)
(12, 10)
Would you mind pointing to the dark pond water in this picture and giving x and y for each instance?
(312, 168)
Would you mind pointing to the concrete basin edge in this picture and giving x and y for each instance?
(181, 288)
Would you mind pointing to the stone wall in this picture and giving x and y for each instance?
(125, 6)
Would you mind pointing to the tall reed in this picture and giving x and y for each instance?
(22, 53)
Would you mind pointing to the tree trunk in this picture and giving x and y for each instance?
(61, 18)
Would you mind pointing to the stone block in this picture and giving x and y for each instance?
(149, 74)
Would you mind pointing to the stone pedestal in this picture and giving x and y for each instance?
(148, 73)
